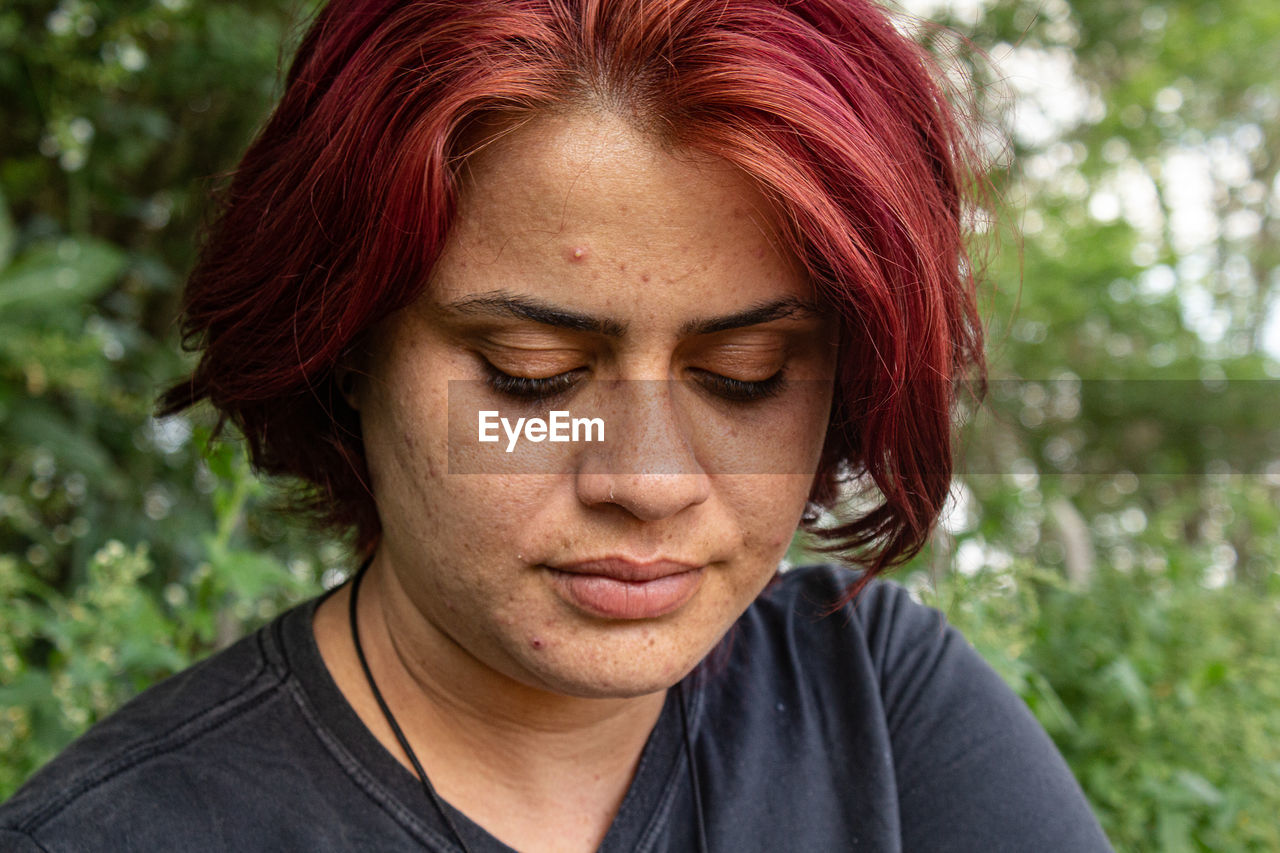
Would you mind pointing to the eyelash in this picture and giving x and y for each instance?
(530, 388)
(740, 390)
(550, 387)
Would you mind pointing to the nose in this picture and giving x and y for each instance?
(648, 464)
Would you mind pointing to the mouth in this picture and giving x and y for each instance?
(619, 588)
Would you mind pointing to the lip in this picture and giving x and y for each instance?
(625, 569)
(620, 588)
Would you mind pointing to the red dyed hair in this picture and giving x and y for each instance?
(342, 204)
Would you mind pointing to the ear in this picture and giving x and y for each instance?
(348, 383)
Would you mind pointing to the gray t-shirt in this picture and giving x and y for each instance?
(876, 727)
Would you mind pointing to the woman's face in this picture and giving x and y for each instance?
(649, 291)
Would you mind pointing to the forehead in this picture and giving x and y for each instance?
(583, 204)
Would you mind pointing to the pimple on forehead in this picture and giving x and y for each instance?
(576, 254)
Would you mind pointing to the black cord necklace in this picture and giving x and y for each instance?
(422, 774)
(391, 720)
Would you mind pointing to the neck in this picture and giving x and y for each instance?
(521, 761)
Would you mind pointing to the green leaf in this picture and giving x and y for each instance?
(32, 688)
(38, 424)
(1200, 788)
(1214, 673)
(1173, 831)
(250, 575)
(1125, 677)
(54, 275)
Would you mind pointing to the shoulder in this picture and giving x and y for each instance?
(891, 653)
(873, 652)
(160, 753)
(888, 684)
(810, 606)
(818, 591)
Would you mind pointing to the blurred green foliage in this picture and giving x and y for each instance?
(128, 547)
(1112, 550)
(1160, 693)
(1114, 543)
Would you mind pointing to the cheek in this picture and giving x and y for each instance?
(771, 503)
(403, 426)
(767, 510)
(404, 466)
(478, 524)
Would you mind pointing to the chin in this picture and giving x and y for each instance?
(627, 674)
(622, 688)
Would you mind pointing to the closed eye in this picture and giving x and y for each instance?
(530, 388)
(740, 390)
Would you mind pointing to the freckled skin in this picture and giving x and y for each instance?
(465, 557)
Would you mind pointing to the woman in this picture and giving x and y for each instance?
(728, 231)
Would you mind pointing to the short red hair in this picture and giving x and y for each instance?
(342, 204)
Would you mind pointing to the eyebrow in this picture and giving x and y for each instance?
(503, 304)
(764, 312)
